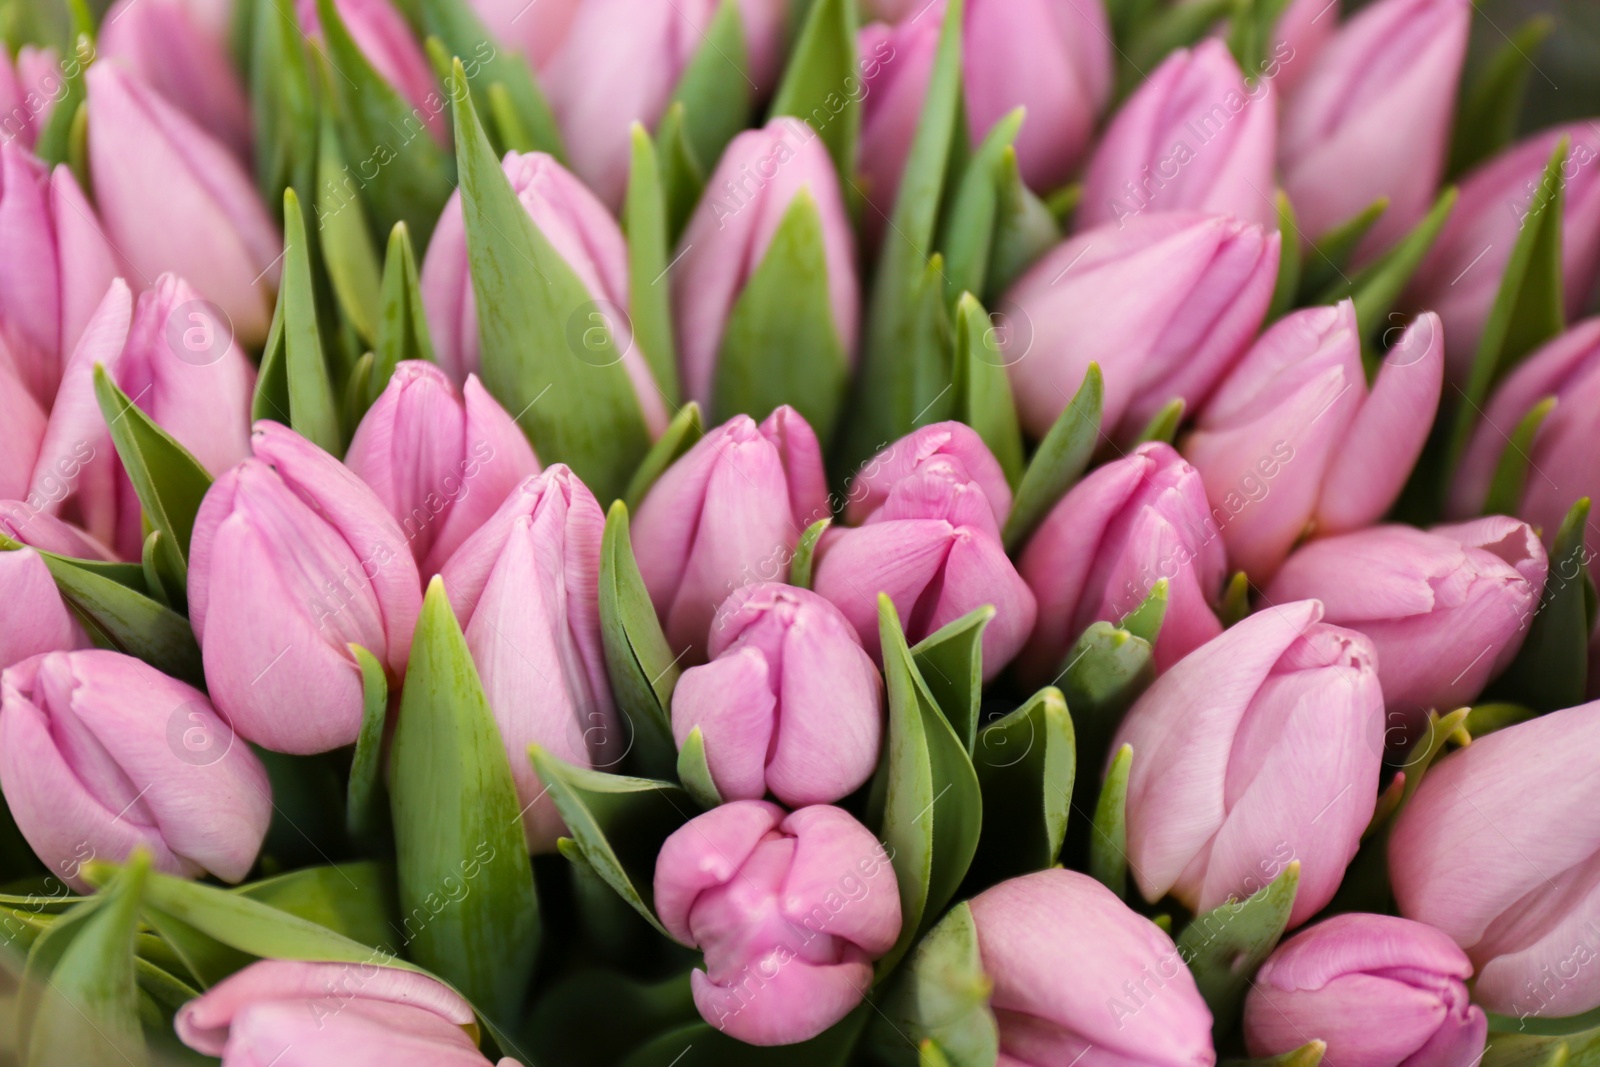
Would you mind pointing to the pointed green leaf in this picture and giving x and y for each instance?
(1062, 457)
(984, 400)
(1024, 228)
(294, 386)
(683, 175)
(356, 900)
(1514, 1048)
(365, 801)
(1487, 718)
(283, 102)
(942, 996)
(1225, 946)
(1102, 675)
(1144, 621)
(402, 322)
(1251, 33)
(207, 960)
(642, 666)
(649, 291)
(1308, 1055)
(1330, 253)
(1511, 473)
(1235, 599)
(715, 90)
(969, 227)
(816, 83)
(1026, 764)
(1377, 287)
(345, 237)
(1108, 841)
(1151, 38)
(1551, 670)
(55, 139)
(154, 558)
(1291, 263)
(950, 662)
(1163, 425)
(1486, 121)
(805, 553)
(682, 433)
(695, 773)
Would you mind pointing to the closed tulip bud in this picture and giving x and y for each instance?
(536, 30)
(295, 1014)
(380, 32)
(21, 521)
(442, 460)
(941, 442)
(293, 560)
(1497, 848)
(30, 85)
(619, 64)
(585, 235)
(1173, 299)
(1381, 991)
(526, 588)
(1075, 969)
(933, 546)
(1260, 748)
(55, 266)
(1294, 438)
(1100, 551)
(747, 198)
(727, 515)
(790, 704)
(1195, 137)
(790, 910)
(1446, 609)
(174, 199)
(22, 423)
(1461, 276)
(101, 754)
(169, 47)
(40, 621)
(1373, 117)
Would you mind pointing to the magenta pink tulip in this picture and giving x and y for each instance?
(1294, 439)
(293, 1014)
(790, 704)
(22, 520)
(1100, 551)
(381, 33)
(790, 910)
(442, 460)
(31, 84)
(1259, 748)
(1080, 977)
(1497, 848)
(726, 515)
(1165, 303)
(955, 443)
(292, 561)
(22, 424)
(101, 754)
(1381, 991)
(1195, 137)
(526, 588)
(534, 29)
(40, 621)
(1372, 119)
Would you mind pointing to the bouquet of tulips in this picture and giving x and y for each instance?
(832, 533)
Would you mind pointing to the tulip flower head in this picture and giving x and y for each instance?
(39, 621)
(940, 442)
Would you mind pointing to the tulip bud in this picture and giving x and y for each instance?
(1195, 137)
(759, 177)
(1497, 848)
(1446, 610)
(293, 560)
(22, 520)
(942, 441)
(441, 460)
(1461, 276)
(1304, 30)
(1125, 527)
(1075, 969)
(30, 86)
(1293, 438)
(356, 1013)
(383, 37)
(933, 546)
(620, 62)
(526, 589)
(1372, 119)
(57, 267)
(22, 423)
(1165, 304)
(790, 910)
(174, 199)
(789, 704)
(726, 515)
(580, 229)
(1260, 748)
(40, 621)
(1378, 989)
(536, 30)
(101, 754)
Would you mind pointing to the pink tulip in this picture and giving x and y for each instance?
(179, 363)
(940, 442)
(1381, 991)
(526, 589)
(101, 754)
(55, 265)
(22, 423)
(292, 561)
(1259, 748)
(790, 910)
(31, 84)
(1165, 304)
(1304, 30)
(1294, 439)
(1447, 609)
(1372, 119)
(441, 460)
(534, 29)
(1128, 525)
(619, 64)
(789, 704)
(580, 229)
(1077, 974)
(1195, 137)
(381, 33)
(293, 1014)
(22, 520)
(761, 174)
(1497, 848)
(933, 546)
(727, 515)
(166, 45)
(41, 621)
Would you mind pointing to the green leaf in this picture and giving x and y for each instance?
(1235, 604)
(695, 773)
(1024, 229)
(683, 176)
(1251, 33)
(1487, 718)
(1330, 253)
(1102, 675)
(1153, 37)
(283, 100)
(356, 900)
(1511, 473)
(402, 322)
(1513, 1049)
(153, 558)
(816, 81)
(541, 331)
(649, 293)
(968, 233)
(715, 90)
(950, 663)
(1026, 764)
(805, 552)
(1376, 288)
(365, 802)
(942, 996)
(1062, 457)
(682, 434)
(1108, 844)
(781, 344)
(593, 1018)
(1486, 120)
(55, 139)
(345, 237)
(207, 960)
(1144, 621)
(983, 389)
(1291, 263)
(1227, 945)
(1551, 670)
(458, 823)
(1308, 1055)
